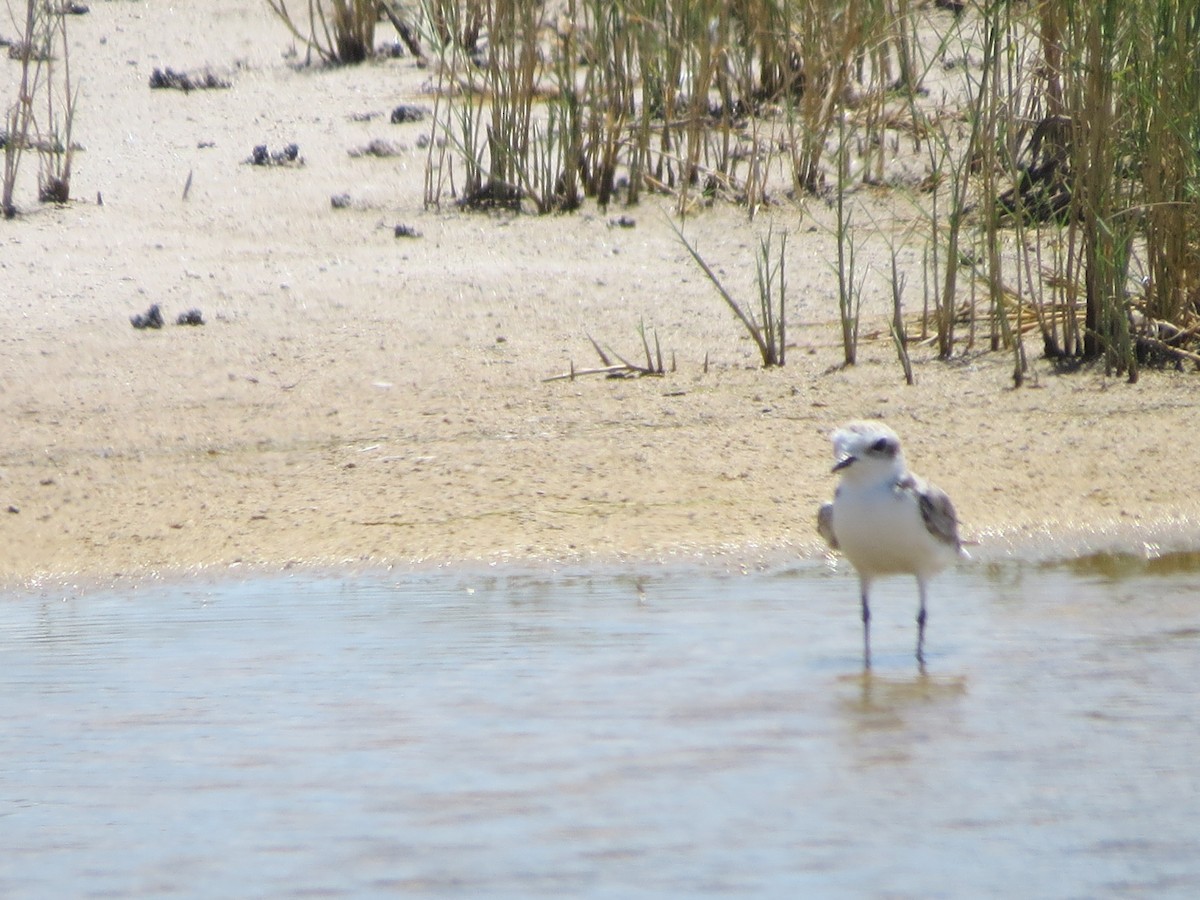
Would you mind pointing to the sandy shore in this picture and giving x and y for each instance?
(355, 399)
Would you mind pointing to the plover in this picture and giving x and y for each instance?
(885, 519)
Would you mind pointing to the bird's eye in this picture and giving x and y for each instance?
(880, 446)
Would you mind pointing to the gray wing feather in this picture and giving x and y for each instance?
(938, 513)
(825, 525)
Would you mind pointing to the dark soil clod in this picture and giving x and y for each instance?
(168, 78)
(288, 156)
(151, 318)
(405, 113)
(191, 317)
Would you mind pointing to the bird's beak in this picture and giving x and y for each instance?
(844, 462)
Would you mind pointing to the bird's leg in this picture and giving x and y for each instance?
(866, 620)
(921, 625)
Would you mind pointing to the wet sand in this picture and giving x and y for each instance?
(358, 399)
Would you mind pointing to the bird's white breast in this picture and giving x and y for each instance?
(881, 531)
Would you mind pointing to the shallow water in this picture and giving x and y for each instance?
(676, 734)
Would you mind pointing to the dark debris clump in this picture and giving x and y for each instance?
(288, 156)
(191, 317)
(168, 78)
(151, 318)
(405, 113)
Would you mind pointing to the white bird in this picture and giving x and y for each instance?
(885, 519)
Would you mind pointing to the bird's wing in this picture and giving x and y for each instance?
(937, 512)
(825, 525)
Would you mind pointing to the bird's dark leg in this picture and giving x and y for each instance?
(866, 620)
(921, 625)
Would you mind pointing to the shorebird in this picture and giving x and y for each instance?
(885, 519)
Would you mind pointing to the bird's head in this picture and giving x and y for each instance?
(866, 450)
